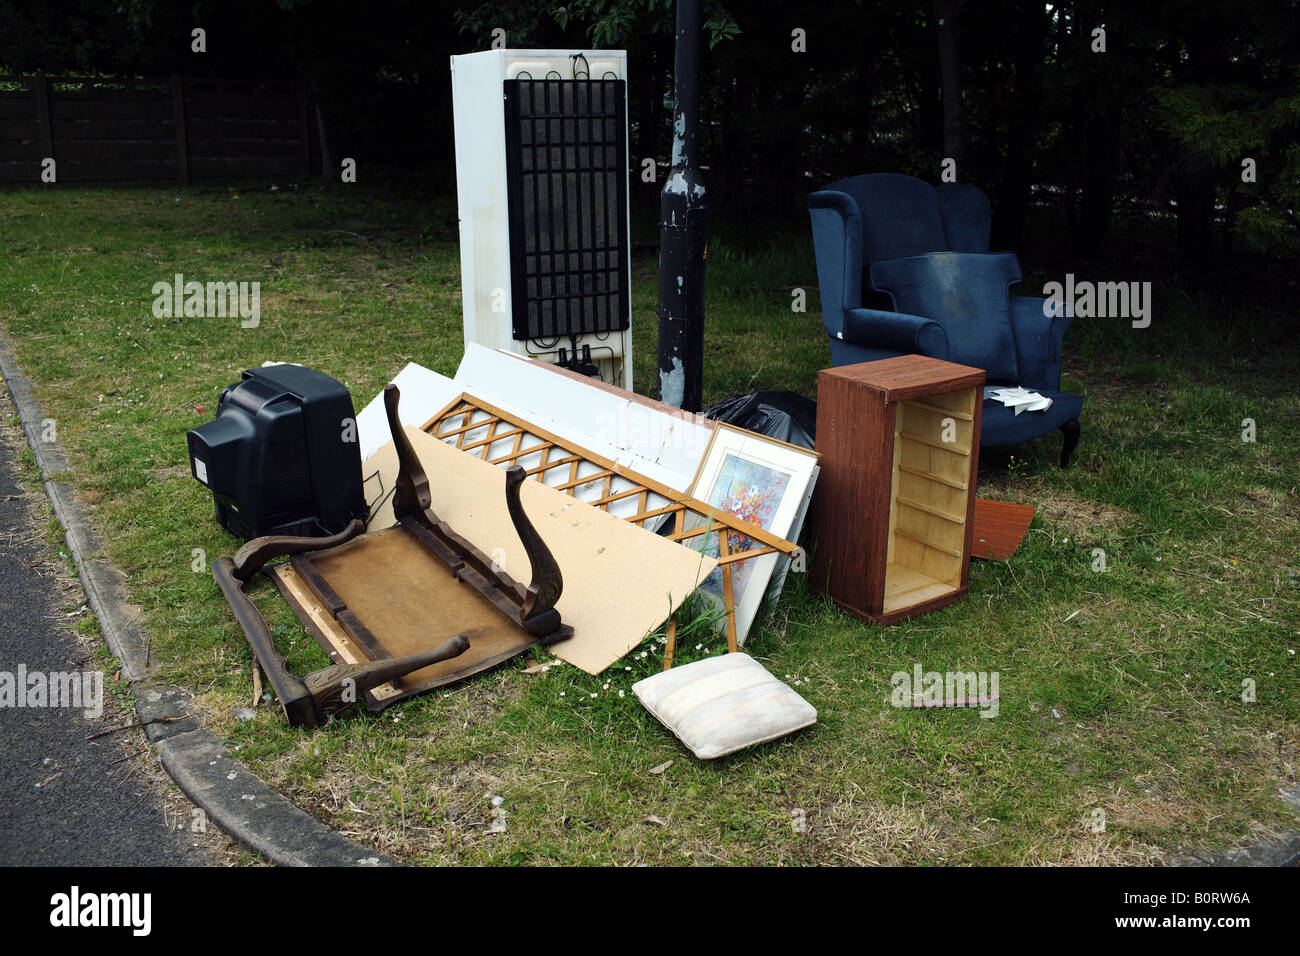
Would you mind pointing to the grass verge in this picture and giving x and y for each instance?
(1121, 690)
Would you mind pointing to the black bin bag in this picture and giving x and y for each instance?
(785, 416)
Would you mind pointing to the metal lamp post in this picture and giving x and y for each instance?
(683, 229)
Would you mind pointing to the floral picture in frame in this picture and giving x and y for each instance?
(759, 480)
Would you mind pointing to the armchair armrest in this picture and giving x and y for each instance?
(1038, 341)
(895, 331)
(837, 242)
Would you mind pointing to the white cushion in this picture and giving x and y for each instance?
(723, 704)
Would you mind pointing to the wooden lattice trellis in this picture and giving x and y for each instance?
(477, 427)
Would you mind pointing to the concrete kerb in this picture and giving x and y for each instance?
(228, 793)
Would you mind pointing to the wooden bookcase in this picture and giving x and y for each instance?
(894, 507)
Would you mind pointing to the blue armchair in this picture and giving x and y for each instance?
(904, 268)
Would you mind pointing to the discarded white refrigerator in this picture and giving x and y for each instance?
(542, 193)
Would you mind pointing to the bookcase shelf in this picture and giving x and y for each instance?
(892, 515)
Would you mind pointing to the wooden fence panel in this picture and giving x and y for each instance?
(88, 151)
(19, 129)
(117, 171)
(153, 129)
(114, 130)
(18, 107)
(80, 107)
(20, 134)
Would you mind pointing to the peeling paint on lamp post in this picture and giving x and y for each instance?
(683, 229)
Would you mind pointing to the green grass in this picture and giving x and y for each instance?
(1131, 705)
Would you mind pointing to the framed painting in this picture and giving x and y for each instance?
(759, 480)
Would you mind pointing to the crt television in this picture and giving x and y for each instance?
(281, 457)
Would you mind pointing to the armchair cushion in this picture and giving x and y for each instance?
(967, 294)
(1038, 342)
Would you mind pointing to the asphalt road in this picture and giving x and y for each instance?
(68, 798)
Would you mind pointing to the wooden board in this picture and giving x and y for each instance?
(620, 581)
(622, 393)
(494, 435)
(999, 528)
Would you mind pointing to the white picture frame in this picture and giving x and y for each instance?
(760, 480)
